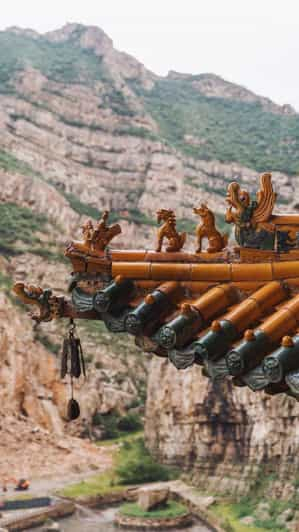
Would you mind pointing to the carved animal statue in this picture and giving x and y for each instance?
(169, 231)
(207, 229)
(255, 214)
(49, 306)
(29, 294)
(96, 238)
(236, 312)
(255, 224)
(103, 233)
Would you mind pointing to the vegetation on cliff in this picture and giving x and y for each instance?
(66, 62)
(116, 426)
(10, 163)
(19, 224)
(133, 464)
(222, 128)
(106, 139)
(260, 510)
(200, 126)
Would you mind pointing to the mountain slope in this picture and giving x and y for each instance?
(73, 84)
(206, 126)
(85, 127)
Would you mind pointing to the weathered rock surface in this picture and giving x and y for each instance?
(214, 86)
(247, 520)
(149, 498)
(262, 512)
(224, 435)
(285, 517)
(29, 377)
(115, 370)
(80, 145)
(33, 400)
(135, 523)
(73, 149)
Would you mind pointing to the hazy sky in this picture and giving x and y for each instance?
(251, 42)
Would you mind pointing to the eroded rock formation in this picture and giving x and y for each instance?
(71, 146)
(225, 435)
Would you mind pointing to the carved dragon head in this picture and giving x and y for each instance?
(32, 295)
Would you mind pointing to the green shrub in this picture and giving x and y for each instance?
(130, 423)
(18, 224)
(231, 130)
(269, 524)
(10, 163)
(136, 403)
(227, 526)
(247, 505)
(65, 62)
(116, 101)
(135, 465)
(73, 122)
(109, 423)
(134, 215)
(134, 131)
(82, 208)
(244, 507)
(115, 426)
(138, 217)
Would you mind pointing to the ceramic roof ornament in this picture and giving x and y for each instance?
(232, 310)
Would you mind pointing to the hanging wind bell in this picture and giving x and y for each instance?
(72, 363)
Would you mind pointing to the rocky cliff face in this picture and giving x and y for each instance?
(98, 136)
(29, 380)
(85, 127)
(34, 439)
(224, 435)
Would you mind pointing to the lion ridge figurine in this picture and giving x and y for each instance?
(169, 231)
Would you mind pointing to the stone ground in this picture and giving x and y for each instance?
(87, 460)
(48, 486)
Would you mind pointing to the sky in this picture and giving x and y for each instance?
(249, 42)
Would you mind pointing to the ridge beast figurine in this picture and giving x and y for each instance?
(232, 310)
(96, 238)
(207, 229)
(168, 230)
(255, 225)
